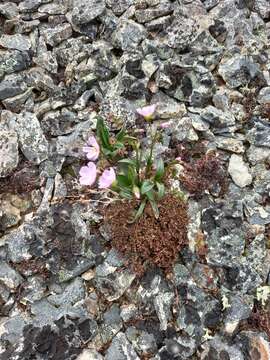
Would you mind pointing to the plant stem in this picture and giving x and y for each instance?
(149, 160)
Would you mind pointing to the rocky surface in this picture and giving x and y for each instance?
(64, 293)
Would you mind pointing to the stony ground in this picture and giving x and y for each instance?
(64, 292)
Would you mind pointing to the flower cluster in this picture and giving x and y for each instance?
(88, 174)
(139, 175)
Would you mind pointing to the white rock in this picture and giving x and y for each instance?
(239, 171)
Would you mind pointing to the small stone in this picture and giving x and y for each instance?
(119, 6)
(259, 135)
(264, 95)
(239, 171)
(11, 86)
(239, 71)
(17, 42)
(167, 107)
(9, 277)
(85, 11)
(121, 349)
(9, 215)
(230, 144)
(9, 10)
(255, 345)
(9, 155)
(31, 139)
(146, 15)
(54, 36)
(88, 354)
(128, 34)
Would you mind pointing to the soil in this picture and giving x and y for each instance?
(149, 241)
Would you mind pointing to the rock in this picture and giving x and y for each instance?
(9, 10)
(9, 277)
(146, 15)
(11, 86)
(128, 34)
(119, 6)
(239, 171)
(121, 349)
(257, 154)
(88, 354)
(167, 108)
(218, 349)
(21, 60)
(72, 293)
(114, 285)
(142, 341)
(9, 214)
(85, 11)
(162, 304)
(238, 309)
(182, 346)
(240, 71)
(264, 95)
(217, 119)
(54, 36)
(9, 156)
(32, 142)
(230, 144)
(254, 345)
(17, 42)
(259, 135)
(262, 6)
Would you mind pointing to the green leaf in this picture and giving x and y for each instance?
(155, 208)
(160, 169)
(132, 174)
(150, 195)
(125, 193)
(103, 133)
(121, 135)
(147, 185)
(123, 180)
(128, 161)
(139, 212)
(161, 190)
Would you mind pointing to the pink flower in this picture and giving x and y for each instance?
(88, 174)
(92, 149)
(107, 178)
(165, 125)
(147, 111)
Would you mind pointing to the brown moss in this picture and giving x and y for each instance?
(204, 174)
(149, 241)
(22, 180)
(265, 111)
(259, 320)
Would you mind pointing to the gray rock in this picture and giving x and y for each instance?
(259, 135)
(9, 277)
(119, 6)
(13, 60)
(72, 293)
(114, 285)
(9, 156)
(121, 349)
(17, 42)
(239, 71)
(182, 346)
(88, 354)
(262, 6)
(31, 139)
(218, 119)
(264, 95)
(167, 107)
(238, 310)
(34, 290)
(239, 171)
(9, 10)
(128, 34)
(218, 349)
(12, 85)
(230, 144)
(146, 15)
(85, 11)
(54, 36)
(12, 328)
(163, 303)
(142, 341)
(30, 5)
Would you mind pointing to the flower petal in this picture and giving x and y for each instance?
(107, 178)
(88, 174)
(92, 154)
(147, 111)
